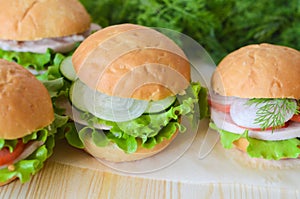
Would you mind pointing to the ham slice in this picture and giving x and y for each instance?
(59, 44)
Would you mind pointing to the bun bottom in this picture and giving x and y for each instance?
(8, 181)
(113, 153)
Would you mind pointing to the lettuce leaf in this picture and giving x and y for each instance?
(37, 61)
(148, 129)
(57, 86)
(271, 150)
(72, 136)
(28, 59)
(10, 144)
(54, 86)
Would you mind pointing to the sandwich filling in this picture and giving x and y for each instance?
(57, 44)
(149, 129)
(40, 54)
(25, 156)
(271, 126)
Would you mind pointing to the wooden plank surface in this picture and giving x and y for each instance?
(57, 180)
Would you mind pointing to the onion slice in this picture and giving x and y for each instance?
(113, 108)
(74, 114)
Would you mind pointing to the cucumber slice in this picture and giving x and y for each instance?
(103, 106)
(160, 105)
(77, 90)
(67, 69)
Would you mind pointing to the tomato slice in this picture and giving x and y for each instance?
(219, 107)
(296, 118)
(6, 157)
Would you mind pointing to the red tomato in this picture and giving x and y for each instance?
(296, 118)
(6, 157)
(219, 107)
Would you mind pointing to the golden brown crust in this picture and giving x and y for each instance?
(25, 104)
(113, 153)
(33, 19)
(7, 182)
(148, 66)
(259, 71)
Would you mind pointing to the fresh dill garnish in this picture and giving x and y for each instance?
(272, 112)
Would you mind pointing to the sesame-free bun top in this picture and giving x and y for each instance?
(24, 20)
(259, 71)
(132, 61)
(25, 104)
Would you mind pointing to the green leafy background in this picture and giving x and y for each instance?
(220, 26)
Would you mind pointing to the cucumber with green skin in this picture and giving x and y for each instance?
(76, 95)
(67, 69)
(110, 108)
(160, 105)
(86, 100)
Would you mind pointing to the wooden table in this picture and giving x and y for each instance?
(58, 180)
(64, 181)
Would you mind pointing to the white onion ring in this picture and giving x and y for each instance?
(113, 108)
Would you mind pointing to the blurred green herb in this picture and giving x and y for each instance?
(220, 26)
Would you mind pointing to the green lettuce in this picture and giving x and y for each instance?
(148, 129)
(271, 150)
(37, 61)
(28, 59)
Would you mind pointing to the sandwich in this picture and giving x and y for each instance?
(254, 100)
(132, 87)
(40, 35)
(35, 34)
(27, 125)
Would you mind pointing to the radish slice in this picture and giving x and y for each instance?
(245, 115)
(224, 121)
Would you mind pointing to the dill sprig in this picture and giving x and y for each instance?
(271, 112)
